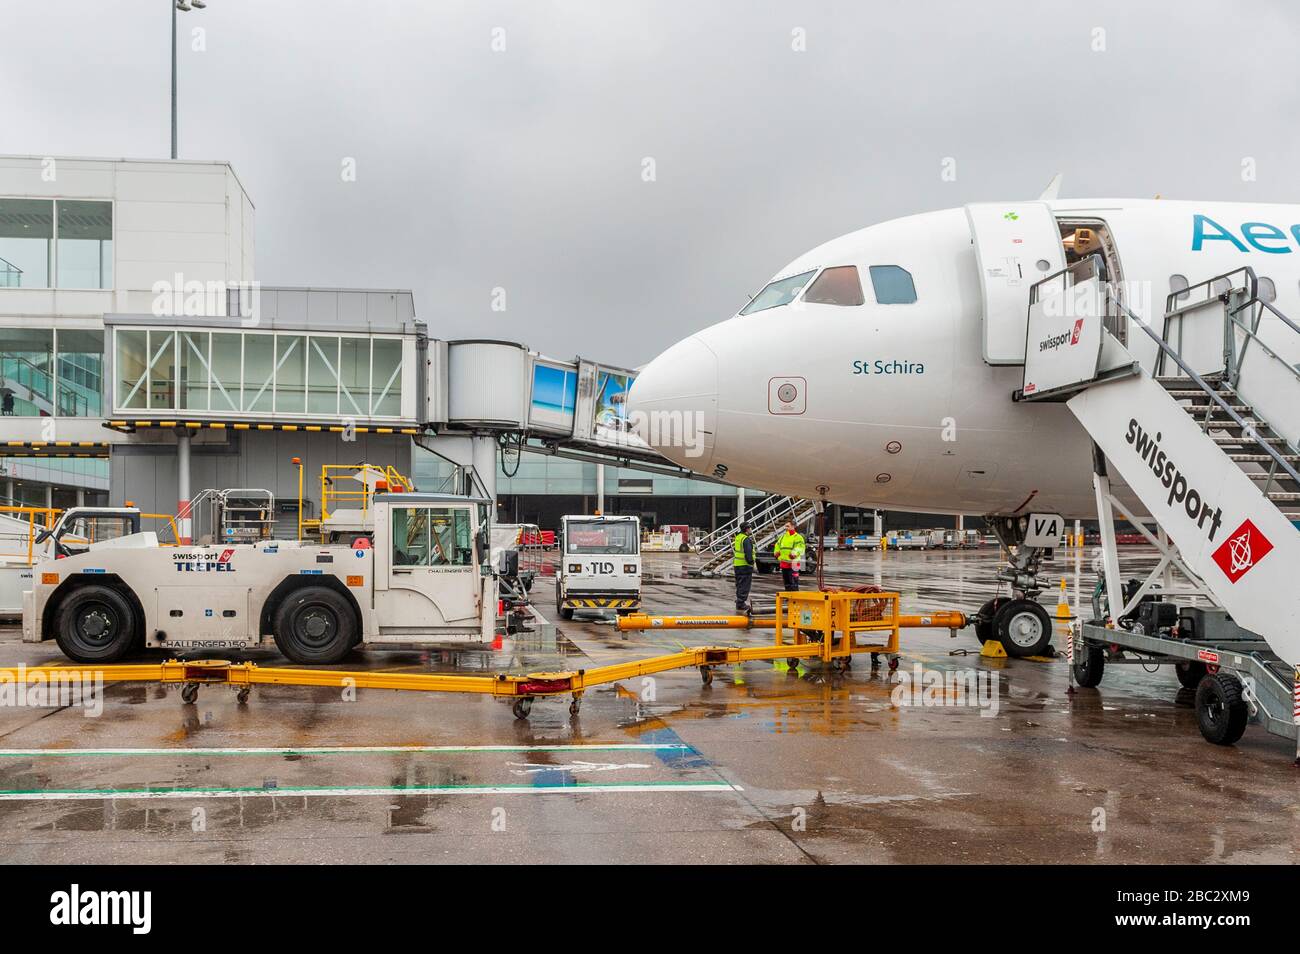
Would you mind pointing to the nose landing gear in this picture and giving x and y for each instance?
(1019, 622)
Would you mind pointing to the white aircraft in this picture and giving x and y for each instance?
(878, 369)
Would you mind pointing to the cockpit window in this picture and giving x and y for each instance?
(777, 293)
(836, 286)
(892, 285)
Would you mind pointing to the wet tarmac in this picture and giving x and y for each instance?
(766, 765)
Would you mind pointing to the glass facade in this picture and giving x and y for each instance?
(258, 373)
(46, 243)
(45, 373)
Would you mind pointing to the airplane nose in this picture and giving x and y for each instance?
(673, 403)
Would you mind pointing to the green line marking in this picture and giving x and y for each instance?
(578, 788)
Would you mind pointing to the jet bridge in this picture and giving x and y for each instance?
(464, 400)
(1210, 443)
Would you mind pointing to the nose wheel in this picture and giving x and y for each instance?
(1023, 627)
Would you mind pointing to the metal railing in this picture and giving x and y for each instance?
(1249, 431)
(1081, 271)
(765, 519)
(1236, 299)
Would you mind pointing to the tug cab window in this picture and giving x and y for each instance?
(778, 293)
(431, 536)
(836, 286)
(892, 285)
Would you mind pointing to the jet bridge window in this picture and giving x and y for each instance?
(893, 285)
(777, 293)
(836, 286)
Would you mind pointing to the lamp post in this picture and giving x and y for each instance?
(184, 6)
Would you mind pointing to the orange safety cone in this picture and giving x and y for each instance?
(1063, 605)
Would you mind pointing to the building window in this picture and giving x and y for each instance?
(47, 244)
(79, 382)
(85, 244)
(836, 286)
(26, 242)
(27, 372)
(893, 285)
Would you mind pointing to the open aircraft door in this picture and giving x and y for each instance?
(1016, 244)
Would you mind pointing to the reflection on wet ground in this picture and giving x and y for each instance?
(767, 764)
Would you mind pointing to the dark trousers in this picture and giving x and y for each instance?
(790, 577)
(744, 580)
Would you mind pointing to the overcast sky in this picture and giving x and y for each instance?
(523, 168)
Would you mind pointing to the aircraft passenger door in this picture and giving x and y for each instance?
(1016, 245)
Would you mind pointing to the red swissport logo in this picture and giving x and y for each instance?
(225, 556)
(1078, 327)
(1244, 547)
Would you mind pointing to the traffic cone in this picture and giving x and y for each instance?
(1063, 605)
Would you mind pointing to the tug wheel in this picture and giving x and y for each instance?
(706, 675)
(95, 624)
(315, 625)
(522, 707)
(792, 664)
(189, 693)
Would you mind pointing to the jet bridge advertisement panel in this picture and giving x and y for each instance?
(601, 415)
(554, 396)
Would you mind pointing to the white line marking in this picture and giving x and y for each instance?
(385, 791)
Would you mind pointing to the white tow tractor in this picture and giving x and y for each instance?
(420, 576)
(600, 565)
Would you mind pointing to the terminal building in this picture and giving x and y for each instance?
(142, 360)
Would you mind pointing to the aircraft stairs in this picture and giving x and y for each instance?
(766, 518)
(1209, 444)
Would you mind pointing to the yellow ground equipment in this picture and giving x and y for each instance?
(827, 626)
(834, 622)
(351, 486)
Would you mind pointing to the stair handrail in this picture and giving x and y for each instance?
(769, 531)
(758, 513)
(1247, 429)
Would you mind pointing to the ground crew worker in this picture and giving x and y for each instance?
(742, 565)
(789, 550)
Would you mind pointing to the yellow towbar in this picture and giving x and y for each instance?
(829, 626)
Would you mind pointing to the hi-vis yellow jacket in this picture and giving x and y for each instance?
(789, 547)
